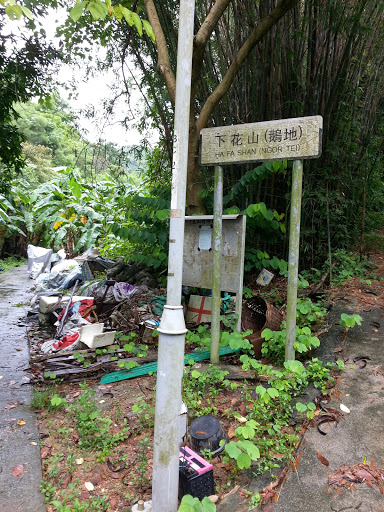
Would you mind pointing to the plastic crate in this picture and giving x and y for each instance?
(195, 475)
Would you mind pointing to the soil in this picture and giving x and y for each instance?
(118, 476)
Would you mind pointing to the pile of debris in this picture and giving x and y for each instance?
(82, 313)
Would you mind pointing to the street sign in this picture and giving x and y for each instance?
(285, 139)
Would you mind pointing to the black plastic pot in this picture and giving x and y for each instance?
(206, 433)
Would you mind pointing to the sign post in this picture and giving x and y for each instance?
(216, 271)
(165, 476)
(286, 139)
(293, 259)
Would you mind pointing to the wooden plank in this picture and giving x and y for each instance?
(285, 139)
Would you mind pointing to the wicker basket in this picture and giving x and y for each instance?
(258, 315)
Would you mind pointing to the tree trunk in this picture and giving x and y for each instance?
(194, 185)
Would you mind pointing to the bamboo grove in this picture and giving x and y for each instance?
(320, 57)
(258, 60)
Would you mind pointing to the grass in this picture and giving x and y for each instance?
(11, 262)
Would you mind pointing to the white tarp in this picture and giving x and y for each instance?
(39, 259)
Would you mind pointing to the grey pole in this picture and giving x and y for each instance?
(172, 326)
(293, 261)
(216, 272)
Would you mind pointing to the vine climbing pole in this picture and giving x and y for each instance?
(165, 480)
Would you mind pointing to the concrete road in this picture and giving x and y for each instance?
(21, 493)
(358, 436)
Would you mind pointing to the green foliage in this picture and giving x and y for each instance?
(25, 72)
(140, 475)
(199, 385)
(70, 212)
(145, 412)
(47, 398)
(349, 265)
(201, 337)
(11, 262)
(251, 177)
(308, 408)
(58, 402)
(190, 504)
(255, 259)
(100, 10)
(309, 313)
(140, 227)
(349, 321)
(94, 430)
(69, 499)
(269, 409)
(243, 452)
(274, 345)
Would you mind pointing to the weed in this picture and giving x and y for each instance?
(199, 385)
(349, 321)
(21, 304)
(274, 345)
(140, 476)
(254, 501)
(42, 399)
(308, 313)
(11, 262)
(145, 411)
(94, 430)
(190, 504)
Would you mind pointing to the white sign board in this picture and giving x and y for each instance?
(286, 139)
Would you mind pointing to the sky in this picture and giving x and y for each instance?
(90, 93)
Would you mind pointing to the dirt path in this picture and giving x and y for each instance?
(19, 443)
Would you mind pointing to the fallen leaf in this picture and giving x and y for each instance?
(67, 481)
(278, 455)
(79, 461)
(10, 406)
(213, 498)
(21, 422)
(96, 479)
(231, 432)
(89, 486)
(18, 470)
(44, 453)
(338, 349)
(241, 419)
(322, 459)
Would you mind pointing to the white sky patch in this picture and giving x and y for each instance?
(90, 93)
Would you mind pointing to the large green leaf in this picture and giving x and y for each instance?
(76, 11)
